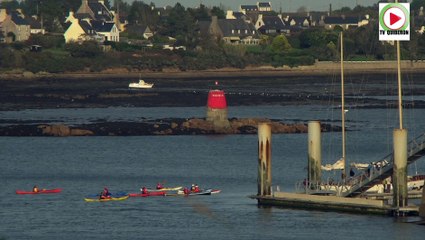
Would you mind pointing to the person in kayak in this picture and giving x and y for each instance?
(186, 191)
(144, 190)
(35, 189)
(105, 193)
(159, 186)
(196, 188)
(192, 188)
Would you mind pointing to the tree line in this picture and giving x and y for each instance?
(203, 52)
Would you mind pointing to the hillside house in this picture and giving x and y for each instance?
(140, 31)
(299, 21)
(231, 31)
(271, 25)
(329, 22)
(92, 21)
(235, 15)
(15, 27)
(264, 6)
(248, 8)
(259, 7)
(79, 30)
(35, 25)
(95, 10)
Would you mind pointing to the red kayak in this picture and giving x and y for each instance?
(42, 191)
(147, 194)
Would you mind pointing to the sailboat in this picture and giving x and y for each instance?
(414, 183)
(341, 163)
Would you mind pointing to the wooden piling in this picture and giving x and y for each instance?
(422, 207)
(314, 153)
(264, 159)
(400, 168)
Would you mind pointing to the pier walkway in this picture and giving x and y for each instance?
(383, 169)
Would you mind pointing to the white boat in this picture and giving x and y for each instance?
(140, 84)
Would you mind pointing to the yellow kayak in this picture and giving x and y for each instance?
(106, 199)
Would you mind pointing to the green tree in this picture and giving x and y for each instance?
(181, 25)
(10, 5)
(417, 4)
(280, 44)
(331, 51)
(216, 11)
(141, 13)
(312, 38)
(421, 45)
(200, 13)
(89, 49)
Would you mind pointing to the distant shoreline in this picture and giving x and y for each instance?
(320, 68)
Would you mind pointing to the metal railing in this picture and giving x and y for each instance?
(363, 181)
(383, 168)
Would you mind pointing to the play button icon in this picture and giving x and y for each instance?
(394, 18)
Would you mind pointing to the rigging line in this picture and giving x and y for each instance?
(387, 109)
(411, 112)
(331, 104)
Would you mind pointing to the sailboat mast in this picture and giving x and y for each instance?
(400, 105)
(342, 106)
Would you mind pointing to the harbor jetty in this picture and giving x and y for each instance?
(346, 196)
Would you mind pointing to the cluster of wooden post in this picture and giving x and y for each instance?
(399, 180)
(422, 207)
(315, 160)
(264, 159)
(314, 154)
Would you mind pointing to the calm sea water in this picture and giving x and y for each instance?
(84, 165)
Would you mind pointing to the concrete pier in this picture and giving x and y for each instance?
(264, 159)
(326, 200)
(314, 153)
(400, 168)
(328, 203)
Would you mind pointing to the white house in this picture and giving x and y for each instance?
(108, 30)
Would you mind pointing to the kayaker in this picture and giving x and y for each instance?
(144, 190)
(196, 188)
(35, 189)
(105, 193)
(192, 188)
(159, 186)
(186, 191)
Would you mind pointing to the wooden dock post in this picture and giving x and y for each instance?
(264, 159)
(400, 168)
(314, 153)
(422, 207)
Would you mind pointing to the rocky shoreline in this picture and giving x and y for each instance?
(175, 126)
(320, 68)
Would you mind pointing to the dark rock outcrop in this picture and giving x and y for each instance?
(194, 126)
